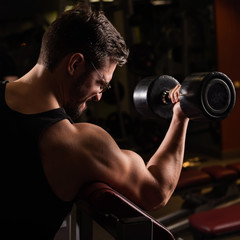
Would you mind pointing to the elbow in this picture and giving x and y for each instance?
(154, 199)
(160, 189)
(154, 204)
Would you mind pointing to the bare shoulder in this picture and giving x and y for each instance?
(66, 133)
(72, 155)
(80, 145)
(66, 127)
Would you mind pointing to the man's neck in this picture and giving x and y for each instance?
(35, 92)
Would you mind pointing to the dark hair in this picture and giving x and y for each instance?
(82, 30)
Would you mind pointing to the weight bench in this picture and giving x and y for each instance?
(216, 222)
(235, 166)
(220, 173)
(222, 221)
(117, 215)
(224, 182)
(192, 182)
(216, 176)
(195, 179)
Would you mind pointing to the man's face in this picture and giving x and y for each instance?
(88, 88)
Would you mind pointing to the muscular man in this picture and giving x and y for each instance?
(47, 158)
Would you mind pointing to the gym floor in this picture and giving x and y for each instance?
(173, 205)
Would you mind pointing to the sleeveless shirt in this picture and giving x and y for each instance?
(29, 207)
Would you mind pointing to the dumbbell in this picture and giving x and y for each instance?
(202, 96)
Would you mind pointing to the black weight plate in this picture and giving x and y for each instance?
(140, 97)
(207, 96)
(218, 96)
(148, 96)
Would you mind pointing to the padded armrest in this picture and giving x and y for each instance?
(108, 207)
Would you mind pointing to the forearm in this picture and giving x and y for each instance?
(166, 164)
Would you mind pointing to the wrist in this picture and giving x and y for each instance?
(179, 114)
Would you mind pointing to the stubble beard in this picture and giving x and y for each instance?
(76, 111)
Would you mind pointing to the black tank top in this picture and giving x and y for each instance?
(28, 207)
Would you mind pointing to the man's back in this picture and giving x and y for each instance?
(28, 204)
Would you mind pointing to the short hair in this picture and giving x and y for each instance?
(82, 30)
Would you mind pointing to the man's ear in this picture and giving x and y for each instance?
(75, 63)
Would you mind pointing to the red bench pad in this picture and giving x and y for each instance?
(235, 166)
(219, 172)
(217, 221)
(192, 178)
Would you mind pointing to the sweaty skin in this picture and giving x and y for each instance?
(75, 154)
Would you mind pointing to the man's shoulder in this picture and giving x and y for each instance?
(67, 141)
(64, 132)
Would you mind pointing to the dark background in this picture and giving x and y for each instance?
(176, 38)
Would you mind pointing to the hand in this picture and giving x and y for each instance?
(174, 96)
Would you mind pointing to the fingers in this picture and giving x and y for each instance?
(174, 94)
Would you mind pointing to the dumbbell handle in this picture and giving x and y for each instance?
(165, 97)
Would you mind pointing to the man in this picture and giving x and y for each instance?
(47, 159)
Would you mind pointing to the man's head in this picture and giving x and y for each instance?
(82, 30)
(92, 48)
